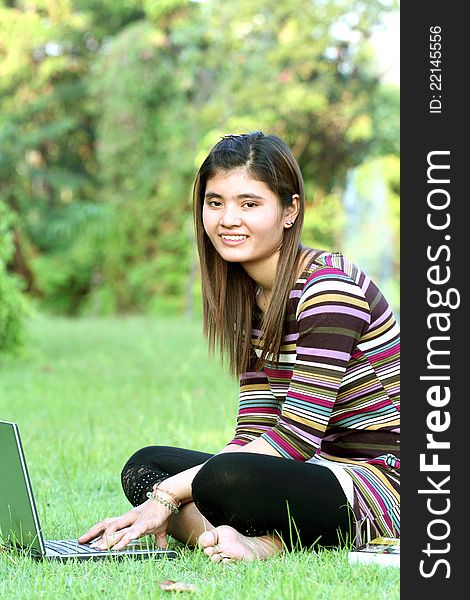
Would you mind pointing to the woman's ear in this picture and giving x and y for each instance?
(291, 212)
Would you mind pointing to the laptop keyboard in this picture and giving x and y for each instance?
(71, 547)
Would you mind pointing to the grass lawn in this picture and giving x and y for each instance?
(90, 392)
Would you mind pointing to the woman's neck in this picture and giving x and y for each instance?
(263, 299)
(263, 273)
(264, 276)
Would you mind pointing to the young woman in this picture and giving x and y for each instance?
(315, 457)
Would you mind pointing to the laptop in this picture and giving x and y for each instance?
(20, 529)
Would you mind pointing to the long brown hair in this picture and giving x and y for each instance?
(228, 293)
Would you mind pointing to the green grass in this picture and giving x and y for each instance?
(86, 395)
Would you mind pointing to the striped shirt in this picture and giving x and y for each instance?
(333, 396)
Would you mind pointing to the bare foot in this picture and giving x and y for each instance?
(224, 544)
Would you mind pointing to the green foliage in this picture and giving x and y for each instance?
(13, 307)
(385, 113)
(324, 219)
(372, 235)
(107, 109)
(147, 258)
(46, 139)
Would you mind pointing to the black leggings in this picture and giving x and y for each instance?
(254, 493)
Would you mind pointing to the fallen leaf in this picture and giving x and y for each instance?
(176, 586)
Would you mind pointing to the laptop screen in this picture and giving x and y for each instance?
(18, 517)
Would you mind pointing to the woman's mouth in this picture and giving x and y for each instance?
(233, 239)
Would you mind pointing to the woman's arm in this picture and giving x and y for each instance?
(258, 446)
(332, 315)
(258, 408)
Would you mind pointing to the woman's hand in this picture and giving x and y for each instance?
(115, 533)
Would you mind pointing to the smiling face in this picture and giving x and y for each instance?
(245, 222)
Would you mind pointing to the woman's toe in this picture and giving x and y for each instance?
(210, 550)
(208, 539)
(216, 557)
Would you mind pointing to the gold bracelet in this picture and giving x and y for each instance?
(152, 495)
(156, 489)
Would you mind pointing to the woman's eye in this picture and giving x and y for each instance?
(214, 203)
(250, 204)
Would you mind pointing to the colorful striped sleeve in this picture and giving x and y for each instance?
(258, 408)
(332, 314)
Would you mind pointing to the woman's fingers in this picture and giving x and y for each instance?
(107, 527)
(160, 539)
(140, 529)
(117, 539)
(112, 535)
(108, 540)
(95, 531)
(117, 532)
(128, 535)
(126, 538)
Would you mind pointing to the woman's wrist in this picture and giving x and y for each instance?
(158, 497)
(179, 486)
(160, 490)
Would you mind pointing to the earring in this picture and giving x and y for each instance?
(289, 223)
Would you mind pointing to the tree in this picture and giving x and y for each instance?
(12, 304)
(106, 112)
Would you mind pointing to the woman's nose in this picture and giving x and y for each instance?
(230, 217)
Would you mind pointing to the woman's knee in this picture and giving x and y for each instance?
(144, 456)
(225, 487)
(140, 473)
(220, 476)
